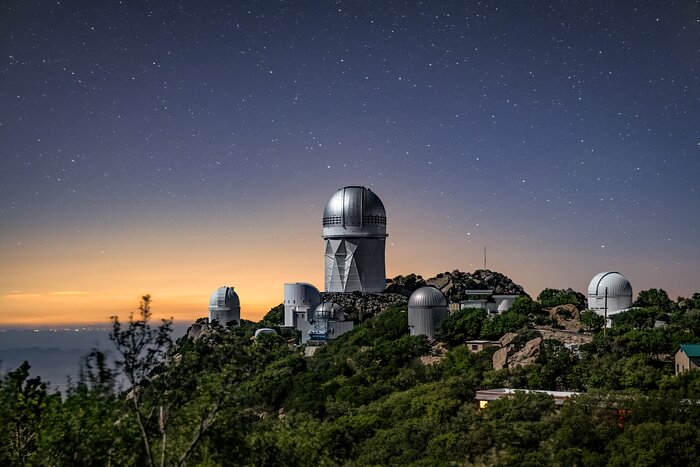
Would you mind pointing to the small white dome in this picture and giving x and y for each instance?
(265, 331)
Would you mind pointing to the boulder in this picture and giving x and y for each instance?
(508, 339)
(515, 351)
(566, 316)
(500, 358)
(527, 355)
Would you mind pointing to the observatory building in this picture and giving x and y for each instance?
(485, 299)
(300, 301)
(609, 290)
(354, 231)
(224, 306)
(427, 306)
(328, 323)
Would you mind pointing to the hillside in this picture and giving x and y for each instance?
(220, 397)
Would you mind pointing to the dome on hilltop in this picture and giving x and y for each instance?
(609, 292)
(224, 306)
(427, 297)
(427, 306)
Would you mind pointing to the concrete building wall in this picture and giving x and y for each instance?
(225, 315)
(685, 363)
(300, 301)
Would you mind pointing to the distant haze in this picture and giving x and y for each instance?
(55, 354)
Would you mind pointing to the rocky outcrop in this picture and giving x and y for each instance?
(404, 285)
(436, 354)
(456, 283)
(200, 331)
(359, 307)
(516, 351)
(565, 317)
(565, 337)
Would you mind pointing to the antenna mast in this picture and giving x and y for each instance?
(484, 257)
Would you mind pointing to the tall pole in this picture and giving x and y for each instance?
(484, 257)
(605, 323)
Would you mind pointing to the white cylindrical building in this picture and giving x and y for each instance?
(224, 306)
(609, 289)
(354, 231)
(300, 301)
(427, 306)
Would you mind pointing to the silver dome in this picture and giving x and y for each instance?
(427, 297)
(224, 306)
(327, 310)
(354, 209)
(224, 298)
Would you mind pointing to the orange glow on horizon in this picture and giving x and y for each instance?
(61, 279)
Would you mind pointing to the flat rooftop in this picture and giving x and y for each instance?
(495, 394)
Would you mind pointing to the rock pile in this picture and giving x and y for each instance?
(455, 284)
(566, 317)
(359, 307)
(515, 351)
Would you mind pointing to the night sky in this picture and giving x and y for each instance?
(173, 147)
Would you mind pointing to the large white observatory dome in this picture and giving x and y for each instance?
(609, 289)
(354, 231)
(224, 306)
(427, 306)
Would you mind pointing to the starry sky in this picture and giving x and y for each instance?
(171, 147)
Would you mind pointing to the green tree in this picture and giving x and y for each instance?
(461, 326)
(555, 297)
(654, 298)
(592, 321)
(274, 317)
(141, 349)
(637, 318)
(23, 402)
(651, 444)
(552, 368)
(509, 321)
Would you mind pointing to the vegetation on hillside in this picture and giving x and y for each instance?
(219, 397)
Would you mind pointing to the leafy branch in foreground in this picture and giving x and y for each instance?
(141, 349)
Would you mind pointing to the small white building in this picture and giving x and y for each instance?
(487, 300)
